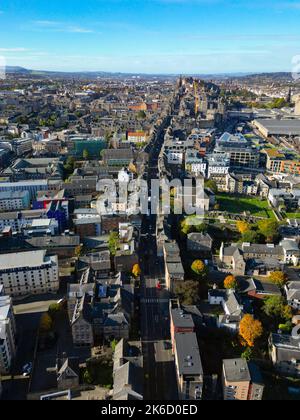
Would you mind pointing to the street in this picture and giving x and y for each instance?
(159, 367)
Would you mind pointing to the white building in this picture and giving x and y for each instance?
(26, 273)
(175, 157)
(291, 251)
(17, 220)
(218, 164)
(137, 137)
(292, 291)
(18, 200)
(7, 333)
(194, 163)
(41, 227)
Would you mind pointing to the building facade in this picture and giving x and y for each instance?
(27, 273)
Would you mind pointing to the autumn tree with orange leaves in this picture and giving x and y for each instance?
(250, 330)
(136, 270)
(230, 282)
(243, 227)
(279, 278)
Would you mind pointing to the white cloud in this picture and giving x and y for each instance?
(7, 50)
(57, 26)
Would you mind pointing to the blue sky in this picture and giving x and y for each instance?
(151, 36)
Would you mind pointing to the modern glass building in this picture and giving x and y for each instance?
(93, 146)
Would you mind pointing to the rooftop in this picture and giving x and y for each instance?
(236, 370)
(281, 127)
(22, 259)
(188, 354)
(182, 319)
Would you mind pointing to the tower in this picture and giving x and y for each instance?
(297, 105)
(197, 100)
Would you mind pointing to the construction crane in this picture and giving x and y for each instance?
(197, 100)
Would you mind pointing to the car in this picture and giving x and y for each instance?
(27, 369)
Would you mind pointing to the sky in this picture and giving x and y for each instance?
(151, 36)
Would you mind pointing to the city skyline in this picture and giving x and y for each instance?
(152, 36)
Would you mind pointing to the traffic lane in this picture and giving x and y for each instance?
(27, 329)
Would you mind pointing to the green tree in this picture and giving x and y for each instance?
(252, 237)
(113, 345)
(87, 377)
(275, 306)
(113, 243)
(85, 154)
(192, 224)
(268, 228)
(69, 166)
(54, 309)
(188, 292)
(286, 328)
(247, 354)
(141, 115)
(212, 185)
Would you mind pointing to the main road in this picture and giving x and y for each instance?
(159, 366)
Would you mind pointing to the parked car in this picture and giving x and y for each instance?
(27, 369)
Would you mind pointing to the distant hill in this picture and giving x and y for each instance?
(16, 69)
(95, 74)
(284, 76)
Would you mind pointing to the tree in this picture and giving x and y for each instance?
(247, 354)
(200, 269)
(132, 168)
(201, 228)
(243, 227)
(192, 224)
(230, 282)
(46, 323)
(250, 330)
(108, 136)
(268, 228)
(279, 278)
(113, 243)
(69, 166)
(141, 115)
(212, 185)
(188, 292)
(275, 306)
(252, 237)
(78, 251)
(87, 377)
(286, 328)
(136, 270)
(114, 344)
(54, 309)
(85, 154)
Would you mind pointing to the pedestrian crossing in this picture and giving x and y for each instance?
(154, 300)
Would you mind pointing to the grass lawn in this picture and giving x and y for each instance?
(236, 204)
(292, 215)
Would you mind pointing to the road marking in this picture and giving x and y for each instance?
(145, 300)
